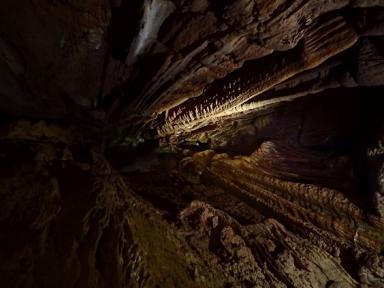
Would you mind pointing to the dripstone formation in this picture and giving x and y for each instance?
(192, 143)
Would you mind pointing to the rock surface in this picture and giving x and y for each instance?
(192, 143)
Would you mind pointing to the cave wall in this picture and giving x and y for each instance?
(68, 219)
(191, 143)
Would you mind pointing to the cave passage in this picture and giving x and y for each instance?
(191, 143)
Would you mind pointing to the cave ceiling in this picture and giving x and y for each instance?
(249, 133)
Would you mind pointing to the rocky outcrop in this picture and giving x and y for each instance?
(263, 254)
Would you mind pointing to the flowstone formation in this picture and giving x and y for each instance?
(192, 143)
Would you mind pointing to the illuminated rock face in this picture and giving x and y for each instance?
(192, 143)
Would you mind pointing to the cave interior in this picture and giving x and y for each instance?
(192, 143)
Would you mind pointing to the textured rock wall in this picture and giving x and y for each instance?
(191, 143)
(68, 220)
(259, 231)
